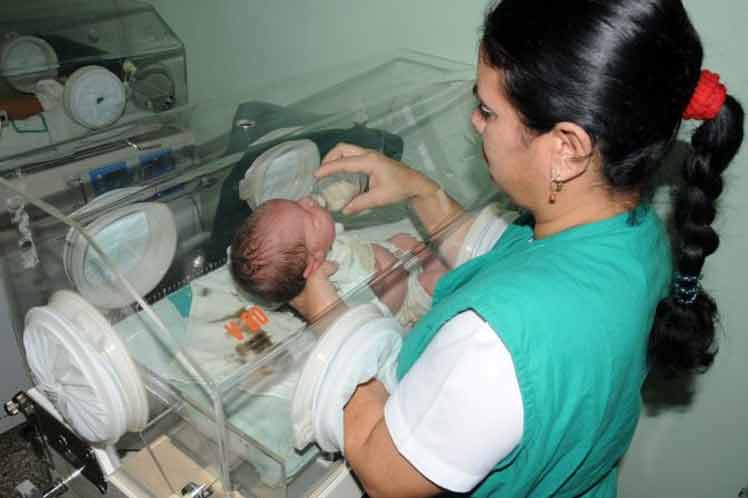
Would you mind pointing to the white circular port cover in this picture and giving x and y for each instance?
(316, 369)
(24, 60)
(84, 369)
(140, 239)
(98, 332)
(284, 171)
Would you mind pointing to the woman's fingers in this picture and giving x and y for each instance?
(364, 201)
(361, 163)
(389, 180)
(342, 150)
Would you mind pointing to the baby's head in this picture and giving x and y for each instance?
(278, 246)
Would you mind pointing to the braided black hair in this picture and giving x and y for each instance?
(683, 335)
(625, 71)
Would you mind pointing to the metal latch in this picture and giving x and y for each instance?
(194, 490)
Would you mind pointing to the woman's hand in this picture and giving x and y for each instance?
(318, 295)
(389, 181)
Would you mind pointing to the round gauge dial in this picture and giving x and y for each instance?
(153, 89)
(94, 97)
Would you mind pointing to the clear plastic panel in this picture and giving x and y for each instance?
(84, 354)
(149, 255)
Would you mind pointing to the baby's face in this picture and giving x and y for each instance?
(314, 221)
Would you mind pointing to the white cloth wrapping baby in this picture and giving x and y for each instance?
(355, 260)
(357, 264)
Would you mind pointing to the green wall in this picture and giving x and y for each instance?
(242, 46)
(236, 45)
(700, 451)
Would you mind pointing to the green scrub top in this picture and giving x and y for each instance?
(574, 310)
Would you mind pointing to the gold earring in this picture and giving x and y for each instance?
(556, 187)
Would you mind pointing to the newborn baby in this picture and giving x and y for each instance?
(283, 242)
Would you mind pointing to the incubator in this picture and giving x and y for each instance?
(155, 375)
(72, 79)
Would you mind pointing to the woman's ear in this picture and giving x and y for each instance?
(573, 151)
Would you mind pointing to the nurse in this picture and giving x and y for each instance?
(524, 378)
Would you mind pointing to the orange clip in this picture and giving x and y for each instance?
(254, 318)
(234, 330)
(259, 315)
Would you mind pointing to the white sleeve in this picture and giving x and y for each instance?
(485, 231)
(459, 410)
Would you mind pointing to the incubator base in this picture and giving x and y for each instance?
(165, 469)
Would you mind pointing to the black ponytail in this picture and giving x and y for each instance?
(683, 334)
(625, 71)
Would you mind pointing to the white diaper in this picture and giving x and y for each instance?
(416, 303)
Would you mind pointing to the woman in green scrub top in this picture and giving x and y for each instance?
(524, 378)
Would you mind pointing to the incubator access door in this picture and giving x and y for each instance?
(138, 337)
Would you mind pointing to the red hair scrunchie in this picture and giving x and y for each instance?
(707, 99)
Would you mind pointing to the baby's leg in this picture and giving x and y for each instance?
(389, 285)
(428, 280)
(432, 265)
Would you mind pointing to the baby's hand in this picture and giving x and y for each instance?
(328, 268)
(319, 294)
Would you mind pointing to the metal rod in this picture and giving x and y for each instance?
(61, 486)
